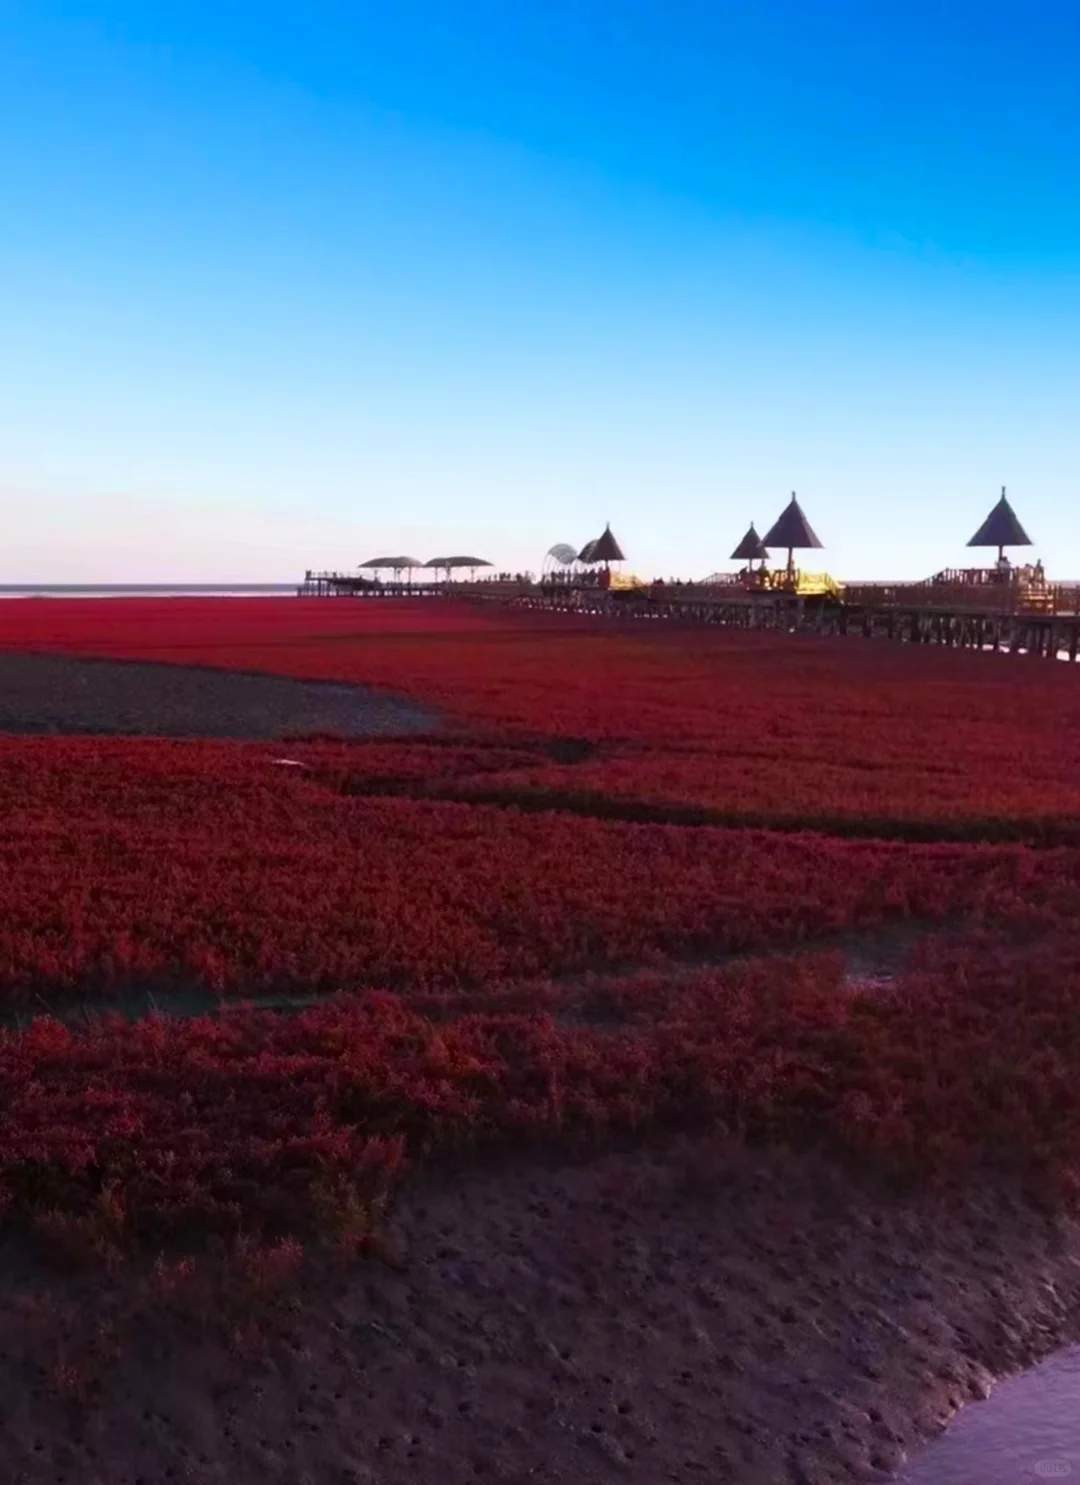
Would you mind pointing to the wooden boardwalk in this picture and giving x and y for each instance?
(983, 619)
(350, 585)
(1043, 634)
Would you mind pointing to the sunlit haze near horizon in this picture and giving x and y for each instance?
(285, 286)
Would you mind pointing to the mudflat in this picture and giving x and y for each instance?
(60, 694)
(688, 1312)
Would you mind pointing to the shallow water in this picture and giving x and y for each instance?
(1025, 1433)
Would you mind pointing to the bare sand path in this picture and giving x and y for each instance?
(59, 694)
(690, 1313)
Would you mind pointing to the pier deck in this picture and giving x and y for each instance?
(350, 585)
(982, 619)
(868, 611)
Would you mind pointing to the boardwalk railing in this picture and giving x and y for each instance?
(977, 598)
(351, 585)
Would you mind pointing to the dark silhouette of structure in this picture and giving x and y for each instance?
(449, 564)
(751, 549)
(396, 565)
(791, 530)
(1001, 529)
(604, 549)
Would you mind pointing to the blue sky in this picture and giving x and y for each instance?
(282, 285)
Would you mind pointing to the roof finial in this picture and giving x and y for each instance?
(1003, 492)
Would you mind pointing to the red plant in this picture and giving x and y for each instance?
(753, 727)
(585, 810)
(266, 1125)
(150, 865)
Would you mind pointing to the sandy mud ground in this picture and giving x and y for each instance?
(52, 693)
(683, 1314)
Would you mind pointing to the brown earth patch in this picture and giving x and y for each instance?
(49, 694)
(692, 1312)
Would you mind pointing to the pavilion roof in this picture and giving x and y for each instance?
(751, 548)
(1001, 528)
(396, 563)
(604, 549)
(792, 529)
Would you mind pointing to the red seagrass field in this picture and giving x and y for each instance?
(634, 878)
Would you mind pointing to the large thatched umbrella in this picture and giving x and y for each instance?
(603, 549)
(751, 549)
(1001, 529)
(448, 564)
(791, 530)
(392, 564)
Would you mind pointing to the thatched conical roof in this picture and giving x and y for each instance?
(604, 549)
(1001, 528)
(751, 548)
(792, 529)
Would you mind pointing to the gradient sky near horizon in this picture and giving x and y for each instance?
(282, 285)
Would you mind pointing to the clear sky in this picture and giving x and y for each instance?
(282, 285)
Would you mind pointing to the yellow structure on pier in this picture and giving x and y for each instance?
(792, 530)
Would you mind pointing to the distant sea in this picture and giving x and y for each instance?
(146, 590)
